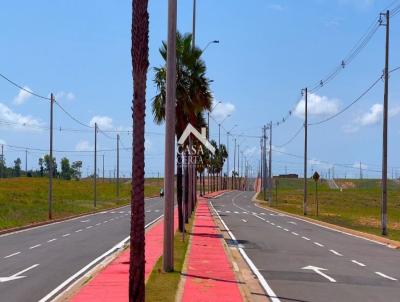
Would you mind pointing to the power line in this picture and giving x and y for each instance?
(292, 138)
(72, 117)
(24, 89)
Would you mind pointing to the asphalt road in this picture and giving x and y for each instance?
(47, 256)
(301, 261)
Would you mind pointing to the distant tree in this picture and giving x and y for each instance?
(47, 164)
(66, 170)
(41, 167)
(76, 169)
(17, 167)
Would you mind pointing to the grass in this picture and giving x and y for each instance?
(163, 286)
(24, 200)
(357, 206)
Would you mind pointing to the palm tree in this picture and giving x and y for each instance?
(193, 96)
(140, 64)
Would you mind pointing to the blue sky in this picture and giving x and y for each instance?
(268, 52)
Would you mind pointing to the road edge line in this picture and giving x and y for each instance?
(76, 278)
(269, 291)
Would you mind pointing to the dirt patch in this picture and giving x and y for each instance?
(347, 185)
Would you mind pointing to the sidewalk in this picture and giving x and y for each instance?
(111, 284)
(209, 274)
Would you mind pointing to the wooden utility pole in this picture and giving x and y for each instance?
(95, 167)
(26, 162)
(103, 167)
(305, 149)
(265, 163)
(385, 131)
(50, 199)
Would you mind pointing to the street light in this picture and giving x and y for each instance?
(208, 118)
(227, 146)
(209, 43)
(219, 129)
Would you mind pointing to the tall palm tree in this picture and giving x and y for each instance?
(193, 96)
(140, 64)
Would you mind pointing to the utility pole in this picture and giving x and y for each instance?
(227, 163)
(117, 165)
(95, 166)
(270, 163)
(168, 244)
(238, 166)
(385, 132)
(26, 162)
(50, 200)
(265, 162)
(261, 161)
(194, 25)
(234, 167)
(103, 167)
(305, 150)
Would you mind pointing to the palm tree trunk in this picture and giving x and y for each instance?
(179, 191)
(186, 187)
(140, 64)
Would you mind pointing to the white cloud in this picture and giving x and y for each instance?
(222, 110)
(357, 165)
(277, 7)
(319, 164)
(103, 122)
(17, 121)
(22, 96)
(372, 117)
(317, 105)
(63, 95)
(83, 145)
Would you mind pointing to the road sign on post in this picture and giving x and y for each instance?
(316, 179)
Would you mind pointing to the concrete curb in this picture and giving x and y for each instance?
(371, 237)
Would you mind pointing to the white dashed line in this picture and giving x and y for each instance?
(358, 263)
(292, 222)
(236, 212)
(51, 240)
(105, 221)
(278, 226)
(386, 276)
(319, 244)
(89, 227)
(272, 223)
(294, 233)
(336, 253)
(78, 231)
(97, 224)
(286, 230)
(35, 246)
(306, 238)
(85, 220)
(66, 235)
(245, 212)
(12, 255)
(227, 211)
(244, 220)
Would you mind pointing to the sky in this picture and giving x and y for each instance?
(269, 50)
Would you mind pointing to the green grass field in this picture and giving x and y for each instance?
(357, 206)
(24, 200)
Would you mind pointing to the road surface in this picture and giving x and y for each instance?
(35, 262)
(301, 261)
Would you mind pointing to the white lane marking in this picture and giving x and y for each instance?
(336, 253)
(272, 223)
(306, 238)
(156, 211)
(236, 212)
(286, 230)
(105, 221)
(51, 240)
(292, 222)
(66, 235)
(319, 244)
(97, 224)
(319, 270)
(385, 276)
(278, 226)
(113, 212)
(12, 255)
(17, 275)
(326, 227)
(148, 211)
(244, 220)
(294, 233)
(245, 212)
(271, 214)
(78, 231)
(54, 292)
(89, 227)
(358, 263)
(122, 212)
(273, 297)
(35, 246)
(254, 213)
(227, 211)
(262, 214)
(87, 220)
